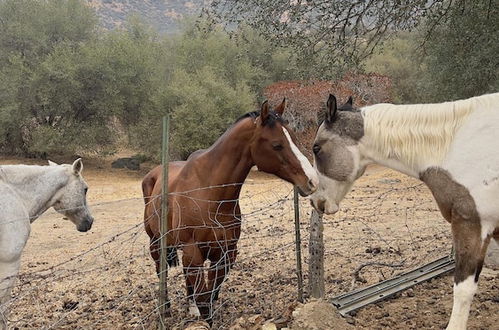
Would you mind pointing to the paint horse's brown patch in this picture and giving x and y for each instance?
(458, 207)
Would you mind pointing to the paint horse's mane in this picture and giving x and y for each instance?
(419, 134)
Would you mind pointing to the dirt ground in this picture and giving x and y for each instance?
(105, 278)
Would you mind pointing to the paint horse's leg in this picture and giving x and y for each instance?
(193, 262)
(470, 252)
(219, 269)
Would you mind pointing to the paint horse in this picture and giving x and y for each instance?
(204, 218)
(26, 191)
(452, 147)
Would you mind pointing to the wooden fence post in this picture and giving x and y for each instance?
(316, 256)
(163, 265)
(298, 244)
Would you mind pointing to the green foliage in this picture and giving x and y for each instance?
(66, 87)
(209, 86)
(458, 60)
(462, 53)
(400, 60)
(330, 36)
(39, 41)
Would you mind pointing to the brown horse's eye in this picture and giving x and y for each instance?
(277, 147)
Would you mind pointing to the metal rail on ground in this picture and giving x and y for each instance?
(352, 301)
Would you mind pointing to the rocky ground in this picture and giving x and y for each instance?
(105, 278)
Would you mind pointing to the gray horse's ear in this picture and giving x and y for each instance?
(77, 166)
(331, 108)
(264, 112)
(51, 163)
(281, 107)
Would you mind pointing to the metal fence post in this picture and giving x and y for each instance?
(298, 245)
(316, 256)
(163, 266)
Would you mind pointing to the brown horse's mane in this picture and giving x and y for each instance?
(272, 118)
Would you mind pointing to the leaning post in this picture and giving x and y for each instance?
(298, 244)
(163, 266)
(316, 256)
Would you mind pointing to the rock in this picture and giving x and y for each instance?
(269, 326)
(281, 322)
(198, 325)
(130, 163)
(248, 322)
(318, 314)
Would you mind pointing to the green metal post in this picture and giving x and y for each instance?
(163, 266)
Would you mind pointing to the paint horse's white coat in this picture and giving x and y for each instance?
(25, 193)
(460, 140)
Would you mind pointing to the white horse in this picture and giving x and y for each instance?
(453, 147)
(26, 191)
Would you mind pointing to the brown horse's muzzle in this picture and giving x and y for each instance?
(307, 189)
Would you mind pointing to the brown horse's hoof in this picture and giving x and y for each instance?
(206, 315)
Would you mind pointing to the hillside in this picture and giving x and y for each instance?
(164, 15)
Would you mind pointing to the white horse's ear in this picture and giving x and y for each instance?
(77, 166)
(51, 163)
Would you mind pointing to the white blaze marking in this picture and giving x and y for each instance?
(193, 309)
(463, 295)
(305, 164)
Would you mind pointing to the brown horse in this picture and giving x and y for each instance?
(204, 217)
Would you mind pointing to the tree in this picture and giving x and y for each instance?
(211, 82)
(38, 40)
(340, 33)
(462, 58)
(400, 59)
(458, 60)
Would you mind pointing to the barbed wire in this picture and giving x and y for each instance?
(356, 235)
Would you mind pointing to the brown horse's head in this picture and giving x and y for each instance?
(274, 150)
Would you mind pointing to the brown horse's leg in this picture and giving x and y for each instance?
(193, 261)
(219, 270)
(154, 248)
(470, 252)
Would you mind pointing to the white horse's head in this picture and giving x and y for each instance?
(337, 155)
(71, 199)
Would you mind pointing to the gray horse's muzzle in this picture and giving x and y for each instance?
(86, 224)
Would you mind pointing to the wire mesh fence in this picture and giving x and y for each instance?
(108, 279)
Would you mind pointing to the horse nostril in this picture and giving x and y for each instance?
(311, 184)
(316, 148)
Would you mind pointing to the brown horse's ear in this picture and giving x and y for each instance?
(281, 107)
(331, 109)
(264, 112)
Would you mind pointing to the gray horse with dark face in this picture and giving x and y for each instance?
(26, 191)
